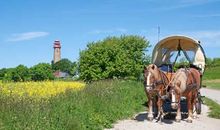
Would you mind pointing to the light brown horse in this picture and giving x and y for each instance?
(155, 82)
(186, 82)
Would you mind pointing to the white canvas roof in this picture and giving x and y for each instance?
(163, 51)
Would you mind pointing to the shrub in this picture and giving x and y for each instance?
(114, 57)
(41, 71)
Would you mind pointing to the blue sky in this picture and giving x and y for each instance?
(29, 27)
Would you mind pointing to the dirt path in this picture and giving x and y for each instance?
(203, 122)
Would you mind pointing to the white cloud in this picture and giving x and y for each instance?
(116, 30)
(26, 36)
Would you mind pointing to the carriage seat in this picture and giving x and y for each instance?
(166, 68)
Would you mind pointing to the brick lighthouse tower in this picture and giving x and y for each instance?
(57, 53)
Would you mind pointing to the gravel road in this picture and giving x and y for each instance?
(211, 93)
(203, 122)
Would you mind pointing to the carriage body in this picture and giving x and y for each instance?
(170, 53)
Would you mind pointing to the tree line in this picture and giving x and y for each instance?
(112, 57)
(39, 72)
(212, 62)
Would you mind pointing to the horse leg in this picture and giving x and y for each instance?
(195, 100)
(150, 113)
(189, 105)
(178, 113)
(160, 110)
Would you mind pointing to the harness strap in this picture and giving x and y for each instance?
(193, 82)
(163, 81)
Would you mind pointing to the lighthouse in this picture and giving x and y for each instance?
(57, 53)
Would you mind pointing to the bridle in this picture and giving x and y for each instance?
(153, 85)
(152, 88)
(174, 93)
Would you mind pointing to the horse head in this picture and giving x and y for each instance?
(151, 73)
(174, 95)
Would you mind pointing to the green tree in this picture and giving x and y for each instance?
(41, 71)
(3, 71)
(65, 65)
(118, 57)
(74, 69)
(8, 75)
(21, 73)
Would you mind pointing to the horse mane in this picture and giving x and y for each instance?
(179, 75)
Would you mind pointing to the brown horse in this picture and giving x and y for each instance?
(155, 82)
(186, 82)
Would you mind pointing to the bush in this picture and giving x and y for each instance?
(41, 71)
(114, 57)
(21, 73)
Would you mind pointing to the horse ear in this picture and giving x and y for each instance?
(145, 67)
(153, 66)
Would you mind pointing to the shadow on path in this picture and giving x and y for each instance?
(168, 118)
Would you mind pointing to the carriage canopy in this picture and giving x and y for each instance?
(168, 49)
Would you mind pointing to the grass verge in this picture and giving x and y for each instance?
(212, 73)
(214, 108)
(214, 84)
(96, 107)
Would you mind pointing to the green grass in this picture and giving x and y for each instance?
(211, 77)
(212, 73)
(214, 108)
(214, 84)
(98, 106)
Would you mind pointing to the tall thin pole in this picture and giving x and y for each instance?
(158, 35)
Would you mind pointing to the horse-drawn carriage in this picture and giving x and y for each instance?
(173, 80)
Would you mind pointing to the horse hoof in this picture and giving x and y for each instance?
(189, 121)
(195, 117)
(178, 120)
(150, 118)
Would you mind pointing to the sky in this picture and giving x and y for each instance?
(28, 28)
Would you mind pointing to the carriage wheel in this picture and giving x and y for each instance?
(198, 107)
(199, 104)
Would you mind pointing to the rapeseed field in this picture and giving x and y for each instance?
(38, 90)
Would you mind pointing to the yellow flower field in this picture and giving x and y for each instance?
(44, 89)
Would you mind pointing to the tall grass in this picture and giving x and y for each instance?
(95, 107)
